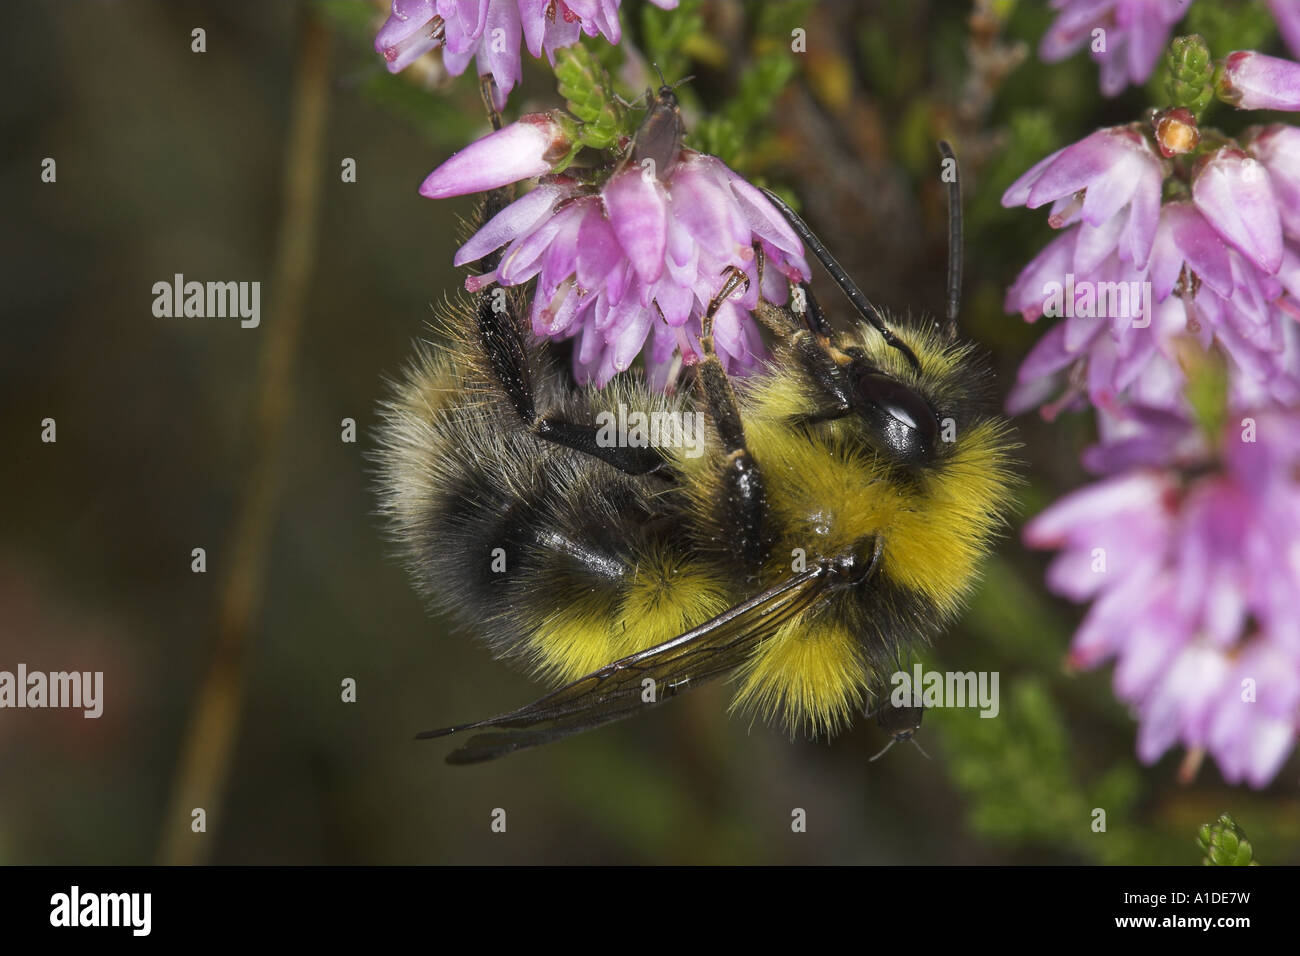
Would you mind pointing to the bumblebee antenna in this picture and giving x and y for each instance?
(955, 243)
(919, 747)
(883, 751)
(865, 307)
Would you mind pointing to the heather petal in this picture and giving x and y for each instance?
(620, 315)
(499, 51)
(1234, 194)
(1180, 704)
(1136, 494)
(629, 339)
(1289, 274)
(1185, 236)
(598, 249)
(674, 301)
(411, 30)
(1030, 394)
(1028, 293)
(1287, 15)
(1017, 193)
(1143, 219)
(1147, 31)
(763, 218)
(465, 22)
(1071, 29)
(523, 259)
(532, 16)
(1278, 148)
(707, 213)
(1107, 195)
(683, 254)
(510, 223)
(522, 150)
(637, 210)
(1253, 81)
(561, 257)
(1078, 167)
(558, 315)
(1152, 637)
(1047, 357)
(1096, 243)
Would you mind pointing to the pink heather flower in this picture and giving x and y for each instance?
(525, 149)
(412, 29)
(490, 32)
(1235, 194)
(1198, 287)
(1287, 15)
(1253, 81)
(1192, 587)
(1278, 148)
(1136, 32)
(640, 260)
(1111, 181)
(1141, 436)
(1222, 269)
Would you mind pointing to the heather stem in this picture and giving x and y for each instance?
(209, 741)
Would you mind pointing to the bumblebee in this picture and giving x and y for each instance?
(834, 521)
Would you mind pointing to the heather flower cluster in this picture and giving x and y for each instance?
(626, 255)
(1126, 37)
(626, 251)
(1179, 254)
(489, 32)
(640, 259)
(1193, 584)
(1167, 231)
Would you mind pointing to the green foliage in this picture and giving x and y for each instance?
(1189, 74)
(670, 37)
(1018, 774)
(727, 133)
(355, 19)
(1230, 25)
(735, 131)
(439, 119)
(1224, 843)
(590, 97)
(1207, 390)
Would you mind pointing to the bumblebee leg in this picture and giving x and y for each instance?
(802, 313)
(804, 327)
(503, 346)
(746, 500)
(497, 199)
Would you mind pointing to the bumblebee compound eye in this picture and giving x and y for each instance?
(903, 421)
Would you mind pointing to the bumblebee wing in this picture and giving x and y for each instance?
(614, 692)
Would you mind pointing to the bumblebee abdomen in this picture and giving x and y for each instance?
(554, 558)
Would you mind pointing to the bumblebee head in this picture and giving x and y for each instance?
(900, 421)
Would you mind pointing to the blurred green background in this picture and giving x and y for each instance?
(172, 161)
